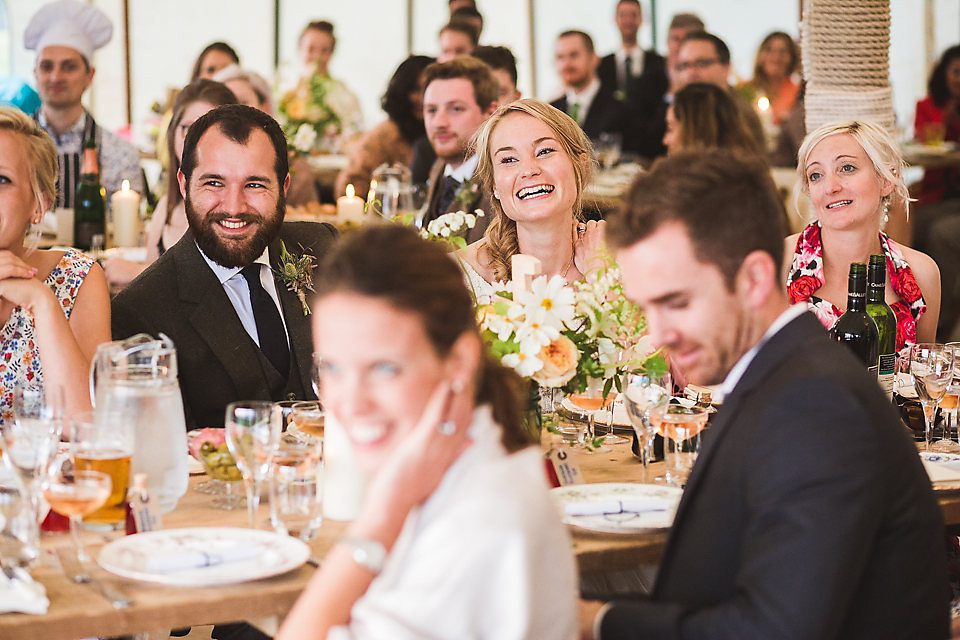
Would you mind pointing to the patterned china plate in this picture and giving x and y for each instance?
(613, 492)
(274, 554)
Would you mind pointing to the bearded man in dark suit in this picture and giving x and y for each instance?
(240, 332)
(808, 514)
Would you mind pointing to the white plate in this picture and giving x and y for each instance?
(277, 554)
(614, 491)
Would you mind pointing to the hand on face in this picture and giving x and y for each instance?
(415, 468)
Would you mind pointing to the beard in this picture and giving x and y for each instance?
(237, 253)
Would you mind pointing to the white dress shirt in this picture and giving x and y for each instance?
(636, 54)
(465, 171)
(584, 99)
(237, 290)
(486, 556)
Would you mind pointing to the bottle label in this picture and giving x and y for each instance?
(886, 373)
(873, 370)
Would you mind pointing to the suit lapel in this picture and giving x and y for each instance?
(789, 337)
(433, 190)
(296, 321)
(213, 316)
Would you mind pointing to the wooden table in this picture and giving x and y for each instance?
(79, 611)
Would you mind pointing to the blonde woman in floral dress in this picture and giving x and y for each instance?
(54, 305)
(535, 161)
(853, 174)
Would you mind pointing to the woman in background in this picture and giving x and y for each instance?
(457, 536)
(392, 140)
(54, 305)
(169, 221)
(778, 59)
(704, 116)
(215, 56)
(853, 174)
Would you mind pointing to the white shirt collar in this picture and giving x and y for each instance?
(733, 377)
(225, 273)
(584, 98)
(636, 58)
(465, 171)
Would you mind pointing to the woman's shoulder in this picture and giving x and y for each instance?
(924, 268)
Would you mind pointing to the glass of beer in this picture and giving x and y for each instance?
(104, 443)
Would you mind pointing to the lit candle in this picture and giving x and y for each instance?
(350, 207)
(524, 269)
(125, 210)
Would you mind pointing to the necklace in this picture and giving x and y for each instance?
(573, 252)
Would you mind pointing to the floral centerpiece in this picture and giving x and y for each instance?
(562, 335)
(318, 114)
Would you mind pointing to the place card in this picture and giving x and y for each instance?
(561, 469)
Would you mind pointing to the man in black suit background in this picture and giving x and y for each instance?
(594, 108)
(807, 514)
(240, 333)
(637, 77)
(459, 95)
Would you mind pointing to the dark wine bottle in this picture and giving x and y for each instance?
(89, 205)
(886, 321)
(855, 328)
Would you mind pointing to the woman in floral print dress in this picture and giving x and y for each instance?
(852, 172)
(54, 305)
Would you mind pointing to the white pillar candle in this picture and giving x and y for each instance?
(344, 483)
(125, 208)
(350, 207)
(524, 269)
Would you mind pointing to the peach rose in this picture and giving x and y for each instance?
(560, 359)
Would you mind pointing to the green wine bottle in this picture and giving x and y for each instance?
(886, 321)
(89, 205)
(855, 328)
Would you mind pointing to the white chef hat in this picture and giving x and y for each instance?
(68, 23)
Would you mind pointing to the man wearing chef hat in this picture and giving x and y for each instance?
(65, 34)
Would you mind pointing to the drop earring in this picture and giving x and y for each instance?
(885, 217)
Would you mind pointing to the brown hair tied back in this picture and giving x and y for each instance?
(395, 265)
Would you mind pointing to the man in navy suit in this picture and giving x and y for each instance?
(637, 77)
(807, 514)
(594, 108)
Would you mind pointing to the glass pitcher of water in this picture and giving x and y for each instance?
(391, 193)
(136, 380)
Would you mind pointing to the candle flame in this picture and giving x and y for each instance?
(125, 185)
(350, 191)
(763, 103)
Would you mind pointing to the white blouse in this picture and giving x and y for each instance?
(486, 556)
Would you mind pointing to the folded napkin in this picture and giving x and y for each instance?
(638, 504)
(941, 472)
(22, 594)
(179, 561)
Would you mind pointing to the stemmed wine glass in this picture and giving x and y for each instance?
(641, 394)
(680, 427)
(31, 439)
(590, 400)
(931, 366)
(75, 494)
(251, 437)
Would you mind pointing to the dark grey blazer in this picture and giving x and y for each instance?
(808, 514)
(218, 362)
(481, 201)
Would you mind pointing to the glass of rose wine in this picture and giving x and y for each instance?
(75, 493)
(680, 428)
(931, 366)
(592, 401)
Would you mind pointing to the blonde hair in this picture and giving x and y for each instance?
(883, 152)
(501, 235)
(41, 154)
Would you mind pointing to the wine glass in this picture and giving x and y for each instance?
(75, 494)
(641, 394)
(251, 436)
(680, 428)
(31, 439)
(948, 405)
(931, 366)
(591, 400)
(306, 422)
(296, 488)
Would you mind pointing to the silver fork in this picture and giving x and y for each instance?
(75, 571)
